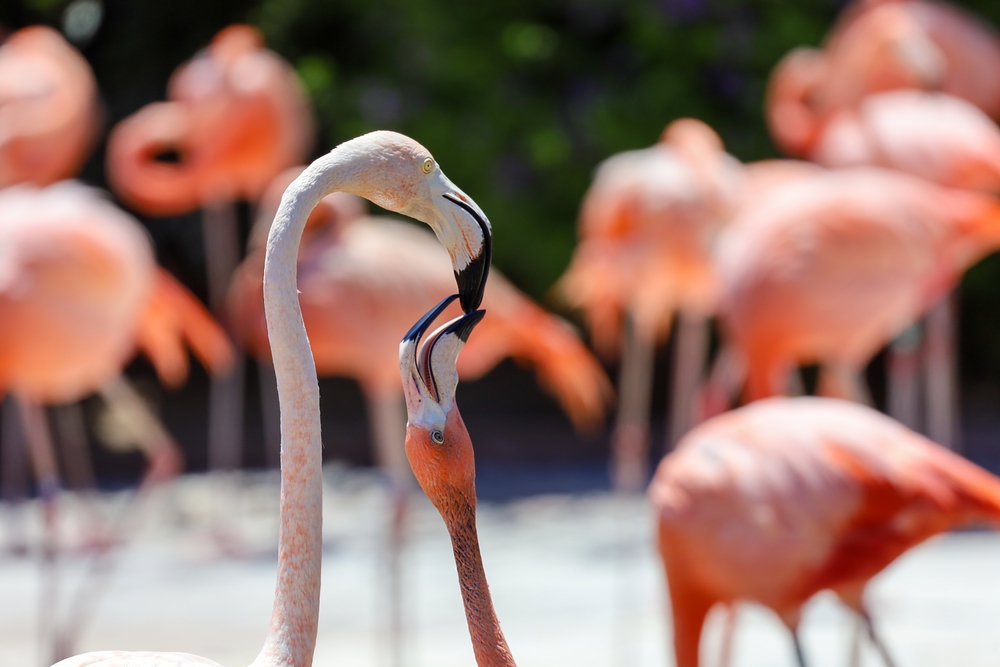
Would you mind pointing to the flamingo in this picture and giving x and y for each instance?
(786, 497)
(881, 45)
(440, 453)
(828, 270)
(381, 270)
(48, 108)
(237, 116)
(938, 137)
(79, 292)
(647, 225)
(400, 175)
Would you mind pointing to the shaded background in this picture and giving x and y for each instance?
(518, 101)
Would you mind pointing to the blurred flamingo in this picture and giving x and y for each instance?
(79, 293)
(781, 499)
(932, 135)
(48, 108)
(881, 45)
(400, 174)
(830, 269)
(237, 116)
(647, 225)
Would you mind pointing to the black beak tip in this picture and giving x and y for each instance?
(472, 283)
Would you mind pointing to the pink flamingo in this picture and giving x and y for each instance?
(647, 225)
(781, 499)
(881, 45)
(48, 108)
(237, 116)
(79, 292)
(400, 175)
(830, 269)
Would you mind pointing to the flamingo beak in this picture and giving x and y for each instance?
(428, 373)
(471, 279)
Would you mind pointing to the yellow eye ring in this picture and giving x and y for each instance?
(428, 165)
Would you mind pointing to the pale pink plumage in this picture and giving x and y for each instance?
(830, 268)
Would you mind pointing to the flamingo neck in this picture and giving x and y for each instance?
(291, 638)
(488, 642)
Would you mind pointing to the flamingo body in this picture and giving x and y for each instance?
(48, 108)
(646, 229)
(830, 268)
(781, 499)
(78, 286)
(932, 135)
(135, 659)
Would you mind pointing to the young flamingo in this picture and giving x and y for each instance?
(440, 453)
(398, 174)
(781, 499)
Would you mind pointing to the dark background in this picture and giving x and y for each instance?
(518, 100)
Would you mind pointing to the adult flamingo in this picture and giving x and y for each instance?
(831, 269)
(781, 499)
(938, 137)
(400, 175)
(440, 452)
(48, 108)
(79, 292)
(647, 225)
(381, 270)
(237, 116)
(882, 45)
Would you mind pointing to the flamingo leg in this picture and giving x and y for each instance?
(165, 461)
(270, 413)
(876, 640)
(387, 415)
(71, 437)
(941, 374)
(36, 430)
(220, 231)
(904, 378)
(724, 381)
(843, 380)
(16, 473)
(690, 353)
(630, 440)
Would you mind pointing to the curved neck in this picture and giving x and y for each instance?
(488, 642)
(291, 638)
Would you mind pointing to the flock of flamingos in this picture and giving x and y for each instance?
(821, 261)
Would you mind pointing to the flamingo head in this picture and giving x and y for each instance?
(398, 174)
(437, 443)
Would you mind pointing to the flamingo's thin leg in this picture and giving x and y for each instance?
(941, 374)
(630, 440)
(903, 378)
(387, 416)
(34, 421)
(690, 353)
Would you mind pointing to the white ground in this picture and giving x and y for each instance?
(555, 565)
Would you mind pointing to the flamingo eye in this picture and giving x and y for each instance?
(437, 437)
(428, 165)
